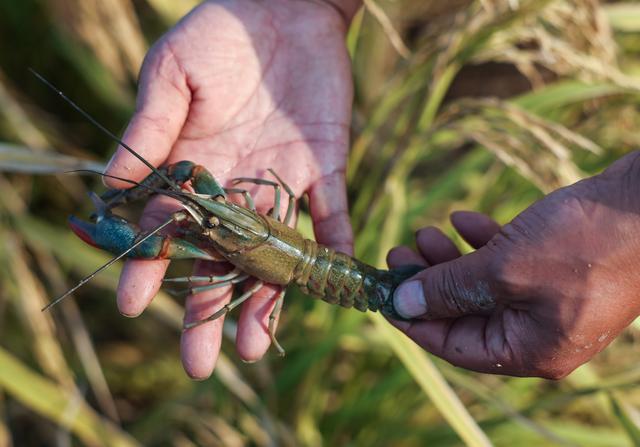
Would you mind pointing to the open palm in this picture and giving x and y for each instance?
(241, 87)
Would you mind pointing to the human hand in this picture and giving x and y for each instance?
(239, 87)
(539, 296)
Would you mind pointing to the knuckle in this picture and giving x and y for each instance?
(458, 297)
(151, 123)
(507, 274)
(447, 285)
(552, 373)
(549, 366)
(497, 270)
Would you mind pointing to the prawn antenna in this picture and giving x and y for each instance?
(178, 195)
(111, 135)
(87, 278)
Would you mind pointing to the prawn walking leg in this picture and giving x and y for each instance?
(213, 284)
(227, 307)
(275, 213)
(273, 318)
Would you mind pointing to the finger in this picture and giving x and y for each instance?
(139, 282)
(471, 342)
(252, 339)
(161, 110)
(460, 287)
(330, 214)
(435, 246)
(200, 345)
(475, 228)
(141, 279)
(400, 256)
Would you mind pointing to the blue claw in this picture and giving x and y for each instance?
(114, 234)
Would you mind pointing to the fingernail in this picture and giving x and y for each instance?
(198, 378)
(409, 301)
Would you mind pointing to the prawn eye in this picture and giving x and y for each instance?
(213, 221)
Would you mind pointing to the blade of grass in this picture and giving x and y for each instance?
(5, 434)
(563, 93)
(623, 16)
(388, 28)
(477, 387)
(172, 11)
(19, 122)
(354, 33)
(29, 300)
(576, 434)
(628, 416)
(49, 399)
(432, 384)
(20, 159)
(79, 335)
(109, 29)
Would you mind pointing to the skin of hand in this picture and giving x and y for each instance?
(539, 296)
(240, 87)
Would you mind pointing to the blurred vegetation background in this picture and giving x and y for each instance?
(482, 105)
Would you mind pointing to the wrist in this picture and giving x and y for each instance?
(346, 8)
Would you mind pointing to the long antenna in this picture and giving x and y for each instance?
(178, 195)
(86, 279)
(105, 130)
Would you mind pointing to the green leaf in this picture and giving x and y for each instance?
(427, 376)
(565, 93)
(628, 417)
(624, 16)
(58, 404)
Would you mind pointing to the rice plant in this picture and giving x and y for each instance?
(466, 104)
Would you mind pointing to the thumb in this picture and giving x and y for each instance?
(161, 109)
(460, 287)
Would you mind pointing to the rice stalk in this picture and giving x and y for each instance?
(252, 427)
(628, 416)
(623, 16)
(79, 333)
(486, 393)
(473, 28)
(25, 160)
(387, 26)
(569, 38)
(17, 118)
(37, 158)
(211, 429)
(535, 147)
(29, 299)
(343, 387)
(109, 28)
(225, 433)
(5, 434)
(53, 401)
(79, 336)
(432, 384)
(172, 11)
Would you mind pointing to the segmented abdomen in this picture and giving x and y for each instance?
(340, 279)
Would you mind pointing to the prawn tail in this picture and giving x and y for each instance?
(338, 278)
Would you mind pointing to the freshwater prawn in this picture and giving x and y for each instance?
(211, 227)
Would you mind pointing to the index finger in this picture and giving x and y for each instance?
(161, 110)
(141, 279)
